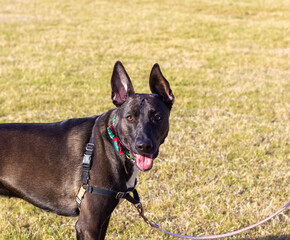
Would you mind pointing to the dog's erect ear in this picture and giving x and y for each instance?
(122, 87)
(159, 85)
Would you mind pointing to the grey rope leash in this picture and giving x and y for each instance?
(156, 226)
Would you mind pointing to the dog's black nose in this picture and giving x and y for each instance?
(144, 145)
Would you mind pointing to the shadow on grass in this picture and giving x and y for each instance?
(281, 237)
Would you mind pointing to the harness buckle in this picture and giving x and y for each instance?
(87, 160)
(120, 195)
(90, 147)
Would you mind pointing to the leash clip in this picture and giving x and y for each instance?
(140, 210)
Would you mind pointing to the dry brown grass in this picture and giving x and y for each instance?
(225, 164)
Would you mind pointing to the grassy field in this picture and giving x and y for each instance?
(225, 163)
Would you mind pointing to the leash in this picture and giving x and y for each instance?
(135, 200)
(157, 227)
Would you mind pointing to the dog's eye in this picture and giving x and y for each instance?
(157, 117)
(130, 118)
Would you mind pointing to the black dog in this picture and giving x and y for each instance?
(42, 163)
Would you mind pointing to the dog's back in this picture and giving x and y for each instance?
(37, 153)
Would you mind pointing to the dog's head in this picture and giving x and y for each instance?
(142, 119)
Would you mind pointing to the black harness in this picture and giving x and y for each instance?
(85, 187)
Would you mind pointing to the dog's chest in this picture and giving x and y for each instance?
(131, 182)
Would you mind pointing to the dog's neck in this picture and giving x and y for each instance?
(120, 164)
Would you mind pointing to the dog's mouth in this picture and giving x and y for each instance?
(144, 162)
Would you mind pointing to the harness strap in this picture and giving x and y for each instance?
(87, 161)
(135, 199)
(117, 195)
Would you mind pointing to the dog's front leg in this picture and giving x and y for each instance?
(94, 217)
(87, 233)
(104, 228)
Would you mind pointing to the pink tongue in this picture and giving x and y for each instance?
(143, 162)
